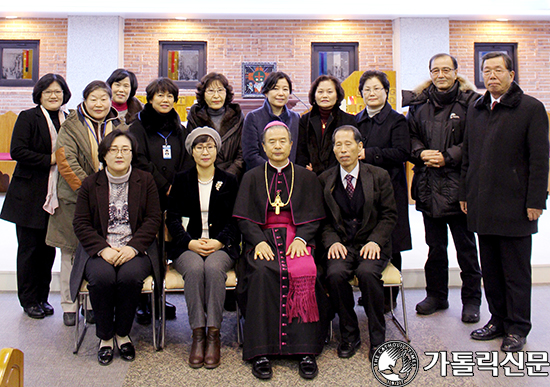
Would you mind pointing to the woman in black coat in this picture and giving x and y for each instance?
(386, 144)
(31, 195)
(316, 127)
(116, 220)
(209, 245)
(215, 109)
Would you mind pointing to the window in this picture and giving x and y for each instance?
(337, 59)
(19, 61)
(183, 62)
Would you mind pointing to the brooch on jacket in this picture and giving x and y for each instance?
(219, 185)
(453, 116)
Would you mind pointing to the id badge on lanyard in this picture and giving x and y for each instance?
(166, 152)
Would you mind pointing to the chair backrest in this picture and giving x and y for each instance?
(7, 122)
(11, 367)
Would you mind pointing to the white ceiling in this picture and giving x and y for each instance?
(284, 9)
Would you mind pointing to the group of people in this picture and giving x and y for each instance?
(298, 205)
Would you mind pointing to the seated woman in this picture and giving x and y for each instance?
(116, 219)
(207, 248)
(215, 108)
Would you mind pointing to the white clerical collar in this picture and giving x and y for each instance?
(354, 172)
(280, 169)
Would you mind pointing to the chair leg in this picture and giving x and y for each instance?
(162, 321)
(154, 317)
(79, 337)
(404, 329)
(239, 326)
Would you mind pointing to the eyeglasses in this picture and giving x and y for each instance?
(48, 93)
(113, 151)
(498, 71)
(201, 148)
(217, 91)
(444, 70)
(377, 90)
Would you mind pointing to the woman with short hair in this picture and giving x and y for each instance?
(124, 85)
(316, 126)
(386, 144)
(277, 88)
(77, 158)
(116, 220)
(208, 247)
(215, 108)
(31, 193)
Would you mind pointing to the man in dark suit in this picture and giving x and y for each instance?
(361, 215)
(503, 191)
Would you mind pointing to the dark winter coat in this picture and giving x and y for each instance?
(387, 145)
(230, 157)
(31, 147)
(505, 164)
(315, 147)
(254, 124)
(437, 127)
(185, 202)
(150, 158)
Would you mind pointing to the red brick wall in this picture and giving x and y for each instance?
(533, 38)
(52, 34)
(230, 42)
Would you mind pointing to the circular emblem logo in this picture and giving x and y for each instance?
(395, 363)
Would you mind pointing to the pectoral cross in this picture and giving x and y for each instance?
(277, 204)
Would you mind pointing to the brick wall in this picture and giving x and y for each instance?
(231, 42)
(533, 38)
(52, 34)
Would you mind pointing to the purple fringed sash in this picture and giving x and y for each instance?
(301, 300)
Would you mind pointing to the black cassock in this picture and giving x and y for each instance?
(263, 286)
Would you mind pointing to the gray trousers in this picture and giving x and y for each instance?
(204, 286)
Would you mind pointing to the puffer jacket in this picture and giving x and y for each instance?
(437, 127)
(230, 157)
(75, 162)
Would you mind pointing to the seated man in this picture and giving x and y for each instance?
(361, 215)
(279, 209)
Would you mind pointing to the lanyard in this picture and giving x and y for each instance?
(93, 131)
(165, 138)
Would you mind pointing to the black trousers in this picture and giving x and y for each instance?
(369, 274)
(114, 293)
(436, 268)
(506, 268)
(34, 266)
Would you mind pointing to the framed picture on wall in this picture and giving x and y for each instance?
(481, 49)
(337, 59)
(182, 62)
(19, 62)
(254, 75)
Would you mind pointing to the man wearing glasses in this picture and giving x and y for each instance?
(503, 190)
(437, 117)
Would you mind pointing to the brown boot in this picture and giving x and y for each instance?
(212, 353)
(196, 356)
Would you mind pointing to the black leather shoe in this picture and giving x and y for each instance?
(513, 343)
(308, 367)
(430, 305)
(372, 350)
(143, 315)
(127, 351)
(488, 332)
(47, 308)
(470, 313)
(105, 355)
(170, 311)
(347, 349)
(69, 319)
(35, 311)
(261, 368)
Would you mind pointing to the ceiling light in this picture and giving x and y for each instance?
(181, 18)
(12, 17)
(502, 20)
